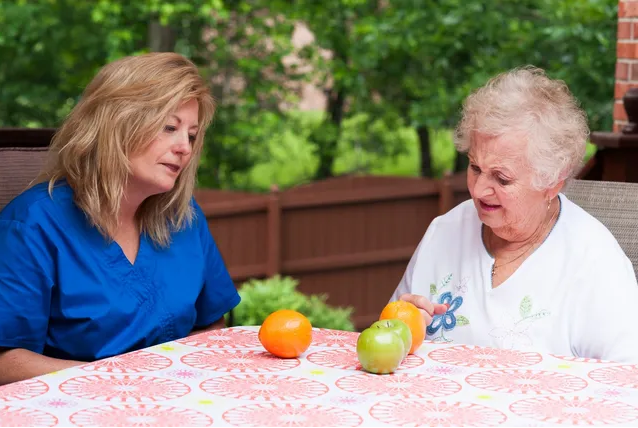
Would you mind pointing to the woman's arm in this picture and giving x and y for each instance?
(20, 364)
(219, 294)
(604, 326)
(220, 323)
(26, 271)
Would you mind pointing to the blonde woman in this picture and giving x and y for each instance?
(519, 266)
(109, 252)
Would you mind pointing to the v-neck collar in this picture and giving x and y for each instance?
(117, 256)
(488, 258)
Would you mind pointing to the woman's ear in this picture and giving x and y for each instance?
(552, 192)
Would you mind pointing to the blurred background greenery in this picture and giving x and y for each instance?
(391, 74)
(261, 297)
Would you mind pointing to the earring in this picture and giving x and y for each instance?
(549, 204)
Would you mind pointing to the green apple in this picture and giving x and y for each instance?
(380, 349)
(400, 328)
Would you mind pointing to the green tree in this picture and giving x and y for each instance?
(383, 65)
(413, 63)
(239, 46)
(435, 53)
(332, 23)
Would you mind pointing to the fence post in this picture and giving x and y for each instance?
(446, 193)
(273, 262)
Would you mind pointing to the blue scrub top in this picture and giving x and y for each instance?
(66, 292)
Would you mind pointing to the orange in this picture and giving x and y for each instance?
(409, 314)
(286, 333)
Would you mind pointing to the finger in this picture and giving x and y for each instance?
(428, 321)
(419, 301)
(426, 317)
(439, 309)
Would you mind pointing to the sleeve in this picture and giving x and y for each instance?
(606, 327)
(219, 295)
(25, 286)
(405, 285)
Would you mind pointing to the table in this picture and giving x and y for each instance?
(225, 378)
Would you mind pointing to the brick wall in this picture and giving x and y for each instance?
(627, 57)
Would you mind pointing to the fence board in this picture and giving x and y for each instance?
(348, 237)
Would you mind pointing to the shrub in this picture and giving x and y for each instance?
(261, 297)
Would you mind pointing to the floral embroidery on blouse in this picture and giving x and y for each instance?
(449, 320)
(512, 332)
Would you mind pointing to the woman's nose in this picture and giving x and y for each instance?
(183, 145)
(482, 187)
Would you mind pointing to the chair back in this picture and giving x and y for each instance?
(615, 205)
(22, 156)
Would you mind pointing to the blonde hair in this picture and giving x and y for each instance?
(121, 111)
(526, 101)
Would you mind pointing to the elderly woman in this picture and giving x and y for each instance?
(519, 266)
(109, 252)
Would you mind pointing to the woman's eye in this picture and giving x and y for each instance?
(475, 168)
(170, 128)
(503, 181)
(192, 138)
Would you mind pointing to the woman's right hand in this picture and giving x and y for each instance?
(427, 308)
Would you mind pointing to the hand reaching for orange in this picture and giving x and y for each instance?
(286, 333)
(427, 308)
(409, 314)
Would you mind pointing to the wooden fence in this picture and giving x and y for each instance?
(349, 237)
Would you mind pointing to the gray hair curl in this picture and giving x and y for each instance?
(525, 100)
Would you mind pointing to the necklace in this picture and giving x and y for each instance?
(534, 242)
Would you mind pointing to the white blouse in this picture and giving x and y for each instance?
(574, 295)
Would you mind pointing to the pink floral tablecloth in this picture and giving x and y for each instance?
(225, 378)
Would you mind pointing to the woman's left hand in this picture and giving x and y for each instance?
(427, 308)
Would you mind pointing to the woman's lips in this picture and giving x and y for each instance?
(171, 167)
(488, 207)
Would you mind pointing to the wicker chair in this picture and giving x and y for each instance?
(22, 155)
(615, 205)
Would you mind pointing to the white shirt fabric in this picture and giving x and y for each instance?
(575, 295)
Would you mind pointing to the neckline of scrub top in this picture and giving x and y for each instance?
(115, 255)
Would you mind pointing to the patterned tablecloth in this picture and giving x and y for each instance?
(225, 378)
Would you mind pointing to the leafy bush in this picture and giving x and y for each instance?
(259, 298)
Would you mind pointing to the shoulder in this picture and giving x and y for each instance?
(596, 257)
(199, 217)
(462, 212)
(452, 229)
(198, 227)
(587, 234)
(36, 205)
(461, 216)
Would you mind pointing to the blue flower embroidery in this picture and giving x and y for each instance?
(448, 319)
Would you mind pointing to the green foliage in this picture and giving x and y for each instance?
(397, 68)
(292, 158)
(262, 297)
(444, 50)
(238, 45)
(576, 42)
(43, 68)
(243, 56)
(357, 157)
(411, 64)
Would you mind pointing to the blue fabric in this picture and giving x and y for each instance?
(66, 292)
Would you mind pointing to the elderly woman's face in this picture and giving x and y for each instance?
(500, 182)
(156, 169)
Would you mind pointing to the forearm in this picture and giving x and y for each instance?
(21, 364)
(220, 323)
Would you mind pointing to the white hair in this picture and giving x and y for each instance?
(526, 101)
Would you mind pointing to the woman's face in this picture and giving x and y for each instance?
(499, 179)
(156, 169)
